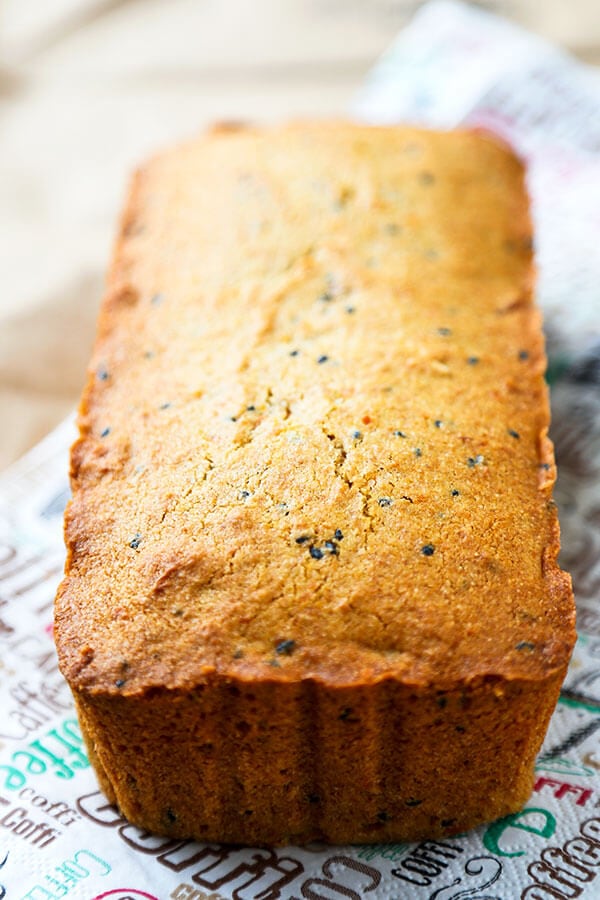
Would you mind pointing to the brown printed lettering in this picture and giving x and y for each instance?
(426, 862)
(145, 841)
(583, 850)
(266, 866)
(189, 892)
(562, 872)
(188, 854)
(58, 810)
(17, 820)
(210, 867)
(96, 807)
(308, 892)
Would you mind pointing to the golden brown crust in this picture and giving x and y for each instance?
(314, 462)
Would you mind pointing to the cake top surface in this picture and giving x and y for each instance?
(313, 438)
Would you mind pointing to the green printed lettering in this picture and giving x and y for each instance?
(393, 851)
(370, 852)
(496, 829)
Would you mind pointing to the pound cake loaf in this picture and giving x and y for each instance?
(312, 588)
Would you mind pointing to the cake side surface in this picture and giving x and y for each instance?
(314, 460)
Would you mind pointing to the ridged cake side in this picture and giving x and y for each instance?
(311, 587)
(288, 762)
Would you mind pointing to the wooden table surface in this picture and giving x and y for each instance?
(90, 87)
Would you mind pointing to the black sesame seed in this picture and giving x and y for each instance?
(302, 539)
(438, 423)
(473, 461)
(350, 310)
(135, 542)
(105, 432)
(326, 297)
(165, 405)
(314, 798)
(243, 494)
(233, 418)
(473, 360)
(523, 354)
(399, 434)
(294, 352)
(345, 713)
(442, 702)
(514, 433)
(238, 654)
(446, 823)
(149, 354)
(316, 553)
(338, 534)
(250, 408)
(102, 374)
(428, 550)
(444, 332)
(454, 492)
(412, 802)
(385, 501)
(119, 682)
(357, 435)
(171, 815)
(525, 645)
(460, 729)
(332, 547)
(285, 648)
(322, 359)
(418, 451)
(383, 816)
(545, 466)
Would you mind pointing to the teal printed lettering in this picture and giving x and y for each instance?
(14, 779)
(33, 765)
(41, 756)
(68, 875)
(101, 867)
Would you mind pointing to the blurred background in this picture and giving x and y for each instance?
(88, 88)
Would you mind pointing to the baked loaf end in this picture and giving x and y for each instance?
(311, 588)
